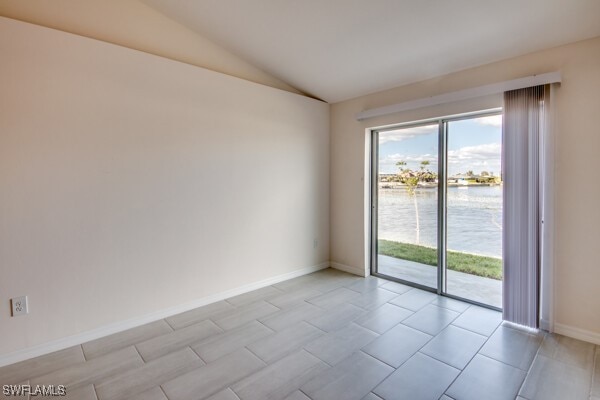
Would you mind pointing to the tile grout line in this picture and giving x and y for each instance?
(95, 391)
(314, 326)
(234, 393)
(396, 305)
(377, 333)
(267, 301)
(372, 356)
(532, 363)
(474, 355)
(312, 354)
(427, 333)
(140, 354)
(418, 351)
(259, 357)
(263, 324)
(85, 359)
(383, 362)
(443, 362)
(504, 363)
(171, 326)
(470, 331)
(447, 309)
(230, 303)
(163, 391)
(196, 353)
(594, 366)
(460, 371)
(314, 305)
(304, 393)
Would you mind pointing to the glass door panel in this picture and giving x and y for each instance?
(406, 204)
(474, 210)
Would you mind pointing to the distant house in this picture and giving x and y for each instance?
(462, 179)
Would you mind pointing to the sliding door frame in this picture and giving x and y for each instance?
(442, 199)
(375, 201)
(442, 205)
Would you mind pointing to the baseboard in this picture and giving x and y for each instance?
(577, 333)
(545, 325)
(346, 268)
(63, 343)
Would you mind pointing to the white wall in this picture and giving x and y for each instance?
(577, 219)
(134, 24)
(131, 183)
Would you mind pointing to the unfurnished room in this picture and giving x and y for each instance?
(301, 200)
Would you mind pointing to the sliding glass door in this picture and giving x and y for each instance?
(474, 210)
(407, 204)
(437, 206)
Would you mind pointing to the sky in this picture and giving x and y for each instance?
(473, 145)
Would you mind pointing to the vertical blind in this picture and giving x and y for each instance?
(522, 131)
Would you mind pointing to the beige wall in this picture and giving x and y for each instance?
(131, 183)
(577, 161)
(133, 24)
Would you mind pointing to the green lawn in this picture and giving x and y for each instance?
(488, 267)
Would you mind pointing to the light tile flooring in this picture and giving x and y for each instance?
(327, 335)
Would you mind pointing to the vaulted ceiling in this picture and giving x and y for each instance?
(340, 49)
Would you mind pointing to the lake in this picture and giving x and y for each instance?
(474, 218)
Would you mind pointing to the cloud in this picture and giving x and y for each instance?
(492, 120)
(401, 134)
(479, 152)
(398, 135)
(388, 164)
(484, 157)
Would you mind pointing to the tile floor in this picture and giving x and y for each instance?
(328, 335)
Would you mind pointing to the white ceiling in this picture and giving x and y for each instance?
(340, 49)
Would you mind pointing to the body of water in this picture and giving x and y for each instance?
(474, 218)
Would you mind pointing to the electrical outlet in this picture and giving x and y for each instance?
(315, 243)
(19, 306)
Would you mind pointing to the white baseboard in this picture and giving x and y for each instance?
(544, 325)
(63, 343)
(577, 333)
(350, 270)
